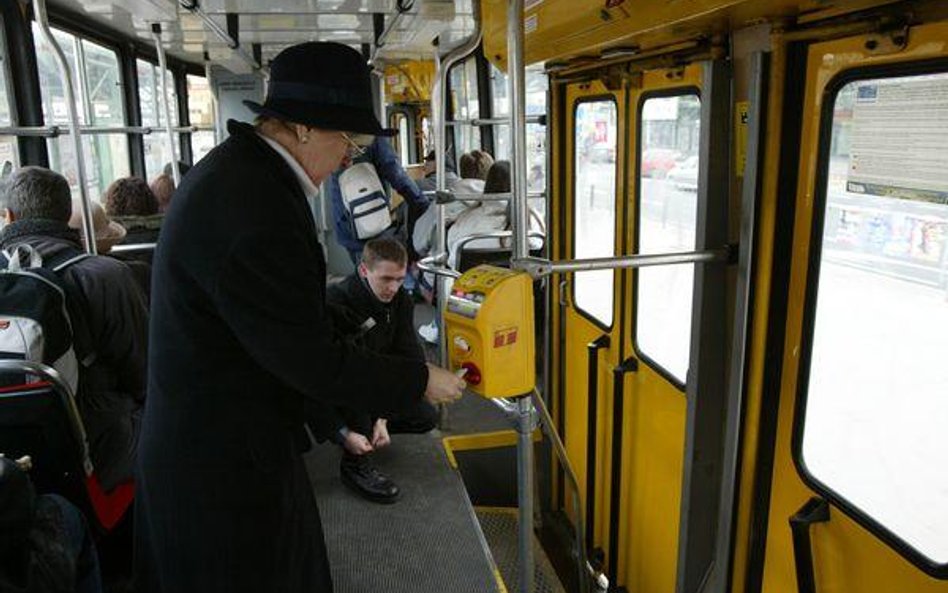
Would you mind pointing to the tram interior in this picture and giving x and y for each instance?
(756, 408)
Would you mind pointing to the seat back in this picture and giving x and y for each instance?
(34, 422)
(40, 419)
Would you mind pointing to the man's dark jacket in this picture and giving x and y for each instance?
(239, 339)
(110, 321)
(392, 332)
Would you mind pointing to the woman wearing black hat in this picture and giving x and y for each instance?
(240, 337)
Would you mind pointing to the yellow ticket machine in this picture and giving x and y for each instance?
(489, 329)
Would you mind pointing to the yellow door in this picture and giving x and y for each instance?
(665, 126)
(632, 158)
(856, 499)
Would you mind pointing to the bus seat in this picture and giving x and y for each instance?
(39, 419)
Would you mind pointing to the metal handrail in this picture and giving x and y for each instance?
(583, 562)
(436, 264)
(442, 69)
(133, 248)
(55, 131)
(459, 246)
(64, 392)
(538, 267)
(194, 8)
(493, 121)
(447, 196)
(165, 107)
(39, 10)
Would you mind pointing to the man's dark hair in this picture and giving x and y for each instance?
(36, 192)
(182, 168)
(384, 249)
(498, 178)
(129, 196)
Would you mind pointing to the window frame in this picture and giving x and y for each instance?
(653, 364)
(598, 98)
(821, 181)
(79, 37)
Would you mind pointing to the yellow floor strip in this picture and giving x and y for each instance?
(481, 440)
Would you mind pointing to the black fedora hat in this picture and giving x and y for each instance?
(324, 85)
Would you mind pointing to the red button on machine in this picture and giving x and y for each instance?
(473, 374)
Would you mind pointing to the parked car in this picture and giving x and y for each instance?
(657, 162)
(602, 153)
(684, 175)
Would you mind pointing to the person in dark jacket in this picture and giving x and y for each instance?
(381, 154)
(45, 545)
(240, 340)
(107, 310)
(371, 308)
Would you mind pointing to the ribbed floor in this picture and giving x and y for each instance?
(500, 529)
(427, 542)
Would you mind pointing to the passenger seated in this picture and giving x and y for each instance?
(131, 203)
(488, 217)
(163, 188)
(108, 314)
(371, 308)
(474, 167)
(45, 545)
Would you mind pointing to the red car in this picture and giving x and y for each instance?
(656, 162)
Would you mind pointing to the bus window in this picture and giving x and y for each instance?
(667, 221)
(97, 79)
(594, 204)
(536, 91)
(156, 145)
(874, 371)
(464, 100)
(400, 141)
(200, 113)
(9, 152)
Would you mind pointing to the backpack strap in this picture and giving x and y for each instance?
(72, 260)
(15, 262)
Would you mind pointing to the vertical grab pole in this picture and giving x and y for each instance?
(166, 109)
(214, 106)
(516, 90)
(440, 239)
(442, 70)
(39, 10)
(521, 249)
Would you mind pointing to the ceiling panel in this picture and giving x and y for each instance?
(298, 6)
(276, 24)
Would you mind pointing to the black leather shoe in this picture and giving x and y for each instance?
(358, 473)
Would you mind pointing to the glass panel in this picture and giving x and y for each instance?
(594, 205)
(876, 411)
(201, 144)
(465, 105)
(200, 102)
(157, 153)
(98, 101)
(148, 85)
(399, 122)
(104, 84)
(668, 217)
(9, 151)
(52, 91)
(147, 97)
(200, 113)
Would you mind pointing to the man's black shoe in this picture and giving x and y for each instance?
(358, 473)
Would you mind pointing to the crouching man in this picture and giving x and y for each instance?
(370, 308)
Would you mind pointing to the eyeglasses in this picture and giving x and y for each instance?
(358, 144)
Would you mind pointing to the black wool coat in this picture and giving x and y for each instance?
(239, 340)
